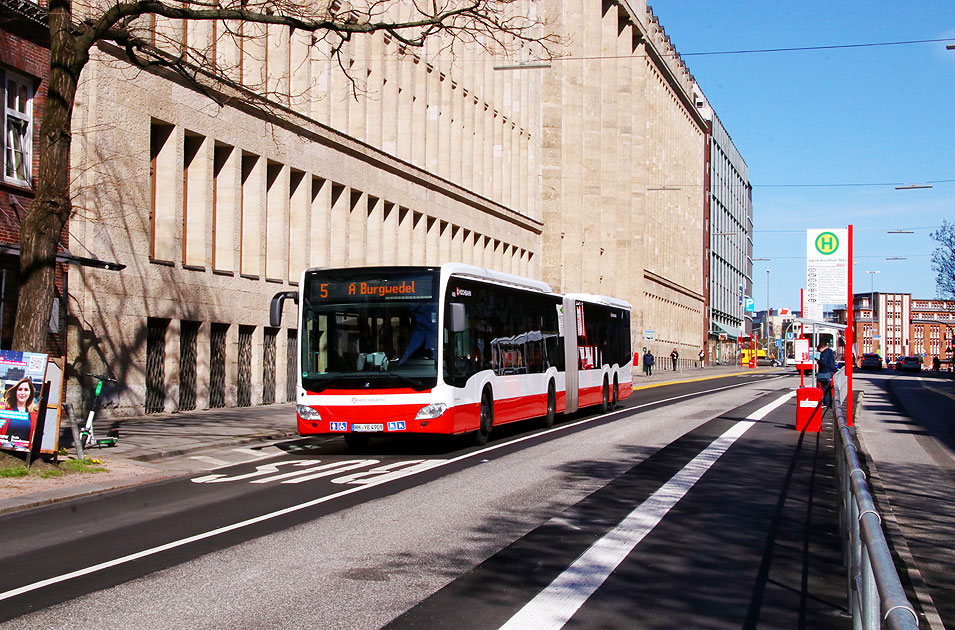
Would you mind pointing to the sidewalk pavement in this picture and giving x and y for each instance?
(150, 445)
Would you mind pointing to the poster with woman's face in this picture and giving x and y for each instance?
(21, 381)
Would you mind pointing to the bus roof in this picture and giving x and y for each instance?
(481, 273)
(606, 300)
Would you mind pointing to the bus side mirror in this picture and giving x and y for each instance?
(459, 318)
(275, 309)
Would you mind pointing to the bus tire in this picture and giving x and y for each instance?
(551, 413)
(605, 397)
(357, 441)
(487, 420)
(615, 399)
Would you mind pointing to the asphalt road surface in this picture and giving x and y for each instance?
(694, 505)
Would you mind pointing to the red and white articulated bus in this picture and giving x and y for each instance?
(449, 350)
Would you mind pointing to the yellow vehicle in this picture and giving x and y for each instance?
(761, 358)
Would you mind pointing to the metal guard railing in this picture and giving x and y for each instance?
(875, 593)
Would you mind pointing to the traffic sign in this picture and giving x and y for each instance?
(827, 266)
(750, 305)
(790, 336)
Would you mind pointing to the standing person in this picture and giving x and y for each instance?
(936, 364)
(673, 358)
(648, 363)
(701, 357)
(827, 368)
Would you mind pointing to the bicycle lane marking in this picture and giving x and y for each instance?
(557, 603)
(376, 480)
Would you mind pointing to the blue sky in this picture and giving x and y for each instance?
(801, 120)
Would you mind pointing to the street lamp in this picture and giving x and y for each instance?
(767, 311)
(872, 290)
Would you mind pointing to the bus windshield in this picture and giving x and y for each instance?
(370, 329)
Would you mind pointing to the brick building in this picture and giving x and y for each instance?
(893, 325)
(24, 66)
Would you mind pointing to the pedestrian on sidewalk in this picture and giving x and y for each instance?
(827, 368)
(674, 356)
(702, 354)
(648, 363)
(936, 364)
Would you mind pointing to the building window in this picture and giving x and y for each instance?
(17, 128)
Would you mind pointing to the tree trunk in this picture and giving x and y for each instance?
(42, 225)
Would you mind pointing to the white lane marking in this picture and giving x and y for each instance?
(557, 603)
(102, 566)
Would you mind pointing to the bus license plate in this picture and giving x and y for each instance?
(367, 428)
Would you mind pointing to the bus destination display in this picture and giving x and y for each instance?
(415, 288)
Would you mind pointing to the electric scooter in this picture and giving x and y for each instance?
(87, 437)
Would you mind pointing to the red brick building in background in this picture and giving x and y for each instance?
(900, 325)
(24, 68)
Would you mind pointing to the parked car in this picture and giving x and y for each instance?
(871, 361)
(909, 364)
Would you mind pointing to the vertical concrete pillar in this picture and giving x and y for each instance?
(390, 101)
(338, 225)
(258, 365)
(375, 89)
(197, 198)
(299, 243)
(419, 125)
(203, 363)
(253, 215)
(445, 241)
(433, 124)
(227, 184)
(300, 73)
(406, 236)
(357, 228)
(419, 244)
(432, 241)
(390, 236)
(231, 365)
(171, 365)
(278, 58)
(166, 220)
(376, 212)
(320, 203)
(277, 221)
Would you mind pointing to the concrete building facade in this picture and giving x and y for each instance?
(730, 244)
(214, 205)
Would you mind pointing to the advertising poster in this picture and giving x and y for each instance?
(22, 375)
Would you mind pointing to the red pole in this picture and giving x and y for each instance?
(850, 359)
(802, 334)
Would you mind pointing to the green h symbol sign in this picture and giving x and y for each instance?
(827, 243)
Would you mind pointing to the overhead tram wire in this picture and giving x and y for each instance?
(757, 51)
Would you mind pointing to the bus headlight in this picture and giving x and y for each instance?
(307, 413)
(432, 411)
